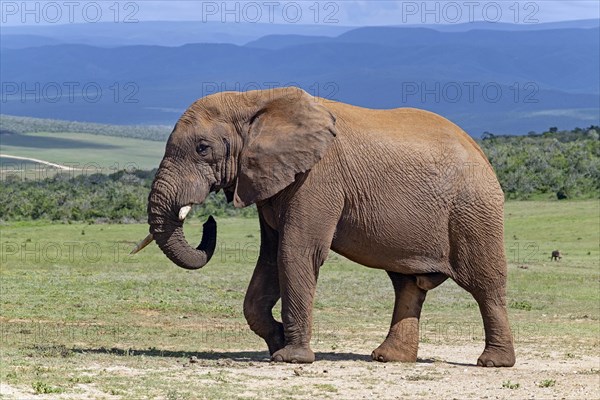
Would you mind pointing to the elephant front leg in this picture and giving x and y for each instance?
(263, 292)
(261, 297)
(298, 272)
(402, 341)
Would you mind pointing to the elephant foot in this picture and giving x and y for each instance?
(276, 341)
(389, 353)
(294, 354)
(497, 357)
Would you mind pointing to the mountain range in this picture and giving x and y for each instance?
(500, 78)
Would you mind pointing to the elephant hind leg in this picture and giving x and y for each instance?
(490, 295)
(499, 350)
(402, 341)
(479, 266)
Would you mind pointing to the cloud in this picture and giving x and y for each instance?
(433, 12)
(350, 13)
(360, 13)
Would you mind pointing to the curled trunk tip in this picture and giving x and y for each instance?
(173, 244)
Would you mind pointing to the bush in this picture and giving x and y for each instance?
(565, 164)
(119, 197)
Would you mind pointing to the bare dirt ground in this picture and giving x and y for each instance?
(442, 372)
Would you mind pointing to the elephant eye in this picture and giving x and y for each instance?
(201, 148)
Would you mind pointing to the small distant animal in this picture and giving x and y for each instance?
(555, 255)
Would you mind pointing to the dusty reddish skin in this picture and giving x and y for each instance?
(403, 190)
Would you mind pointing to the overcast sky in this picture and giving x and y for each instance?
(352, 13)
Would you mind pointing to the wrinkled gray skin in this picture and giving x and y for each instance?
(402, 190)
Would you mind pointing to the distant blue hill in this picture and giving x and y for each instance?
(22, 41)
(168, 33)
(503, 81)
(502, 26)
(164, 33)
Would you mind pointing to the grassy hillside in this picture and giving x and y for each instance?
(15, 124)
(78, 312)
(79, 150)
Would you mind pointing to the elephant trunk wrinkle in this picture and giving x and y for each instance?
(167, 228)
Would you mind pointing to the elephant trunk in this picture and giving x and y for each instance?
(166, 228)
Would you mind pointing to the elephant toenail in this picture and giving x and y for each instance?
(380, 358)
(277, 358)
(490, 363)
(294, 361)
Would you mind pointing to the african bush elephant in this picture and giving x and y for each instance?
(402, 190)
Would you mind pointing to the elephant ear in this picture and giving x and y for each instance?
(287, 136)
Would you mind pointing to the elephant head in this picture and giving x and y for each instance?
(251, 145)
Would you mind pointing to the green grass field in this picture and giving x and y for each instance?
(78, 313)
(81, 150)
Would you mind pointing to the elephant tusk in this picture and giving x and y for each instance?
(183, 212)
(142, 244)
